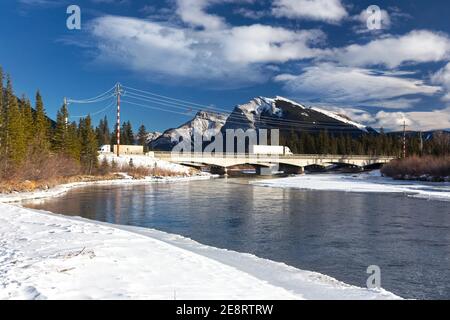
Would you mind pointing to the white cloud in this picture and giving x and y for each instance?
(250, 13)
(418, 120)
(393, 121)
(230, 54)
(331, 11)
(442, 77)
(418, 46)
(395, 103)
(349, 85)
(259, 43)
(194, 13)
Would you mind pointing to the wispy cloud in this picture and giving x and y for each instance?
(442, 77)
(331, 11)
(418, 46)
(350, 85)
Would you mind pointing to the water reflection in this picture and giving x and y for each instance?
(336, 233)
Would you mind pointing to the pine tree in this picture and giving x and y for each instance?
(15, 137)
(73, 142)
(103, 132)
(27, 118)
(2, 116)
(88, 139)
(142, 137)
(60, 136)
(41, 127)
(127, 135)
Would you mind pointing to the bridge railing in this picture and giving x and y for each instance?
(249, 155)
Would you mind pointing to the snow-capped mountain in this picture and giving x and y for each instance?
(152, 136)
(203, 122)
(286, 115)
(264, 113)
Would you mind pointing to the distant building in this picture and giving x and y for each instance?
(128, 149)
(106, 148)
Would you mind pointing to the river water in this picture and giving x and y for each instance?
(336, 233)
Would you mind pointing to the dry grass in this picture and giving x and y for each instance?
(44, 172)
(11, 185)
(418, 168)
(142, 172)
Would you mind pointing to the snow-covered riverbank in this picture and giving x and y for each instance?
(364, 182)
(43, 255)
(64, 188)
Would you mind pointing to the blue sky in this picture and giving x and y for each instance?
(223, 53)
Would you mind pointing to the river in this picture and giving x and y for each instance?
(335, 233)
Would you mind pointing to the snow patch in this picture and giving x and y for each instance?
(47, 256)
(340, 118)
(366, 182)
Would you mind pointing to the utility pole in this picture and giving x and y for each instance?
(404, 139)
(421, 143)
(118, 93)
(66, 120)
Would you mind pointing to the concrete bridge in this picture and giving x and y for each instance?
(221, 162)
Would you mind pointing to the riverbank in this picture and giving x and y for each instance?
(123, 175)
(48, 256)
(428, 168)
(372, 182)
(124, 180)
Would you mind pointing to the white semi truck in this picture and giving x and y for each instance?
(270, 150)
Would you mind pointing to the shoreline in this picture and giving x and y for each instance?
(62, 189)
(63, 257)
(269, 279)
(361, 183)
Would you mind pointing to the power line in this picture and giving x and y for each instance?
(97, 112)
(305, 127)
(173, 99)
(166, 101)
(274, 121)
(100, 97)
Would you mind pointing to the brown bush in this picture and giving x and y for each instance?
(44, 167)
(416, 167)
(141, 172)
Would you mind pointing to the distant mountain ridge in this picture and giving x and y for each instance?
(202, 121)
(284, 114)
(264, 113)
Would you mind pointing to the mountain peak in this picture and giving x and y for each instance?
(279, 98)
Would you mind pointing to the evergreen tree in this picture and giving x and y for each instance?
(73, 142)
(2, 116)
(41, 127)
(15, 143)
(60, 135)
(142, 137)
(126, 135)
(103, 132)
(88, 140)
(113, 138)
(27, 118)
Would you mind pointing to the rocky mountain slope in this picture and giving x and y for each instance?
(264, 113)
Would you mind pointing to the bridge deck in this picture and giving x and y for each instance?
(227, 160)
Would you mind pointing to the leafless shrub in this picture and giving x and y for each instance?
(139, 172)
(416, 167)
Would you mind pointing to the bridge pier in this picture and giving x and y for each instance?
(219, 170)
(287, 169)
